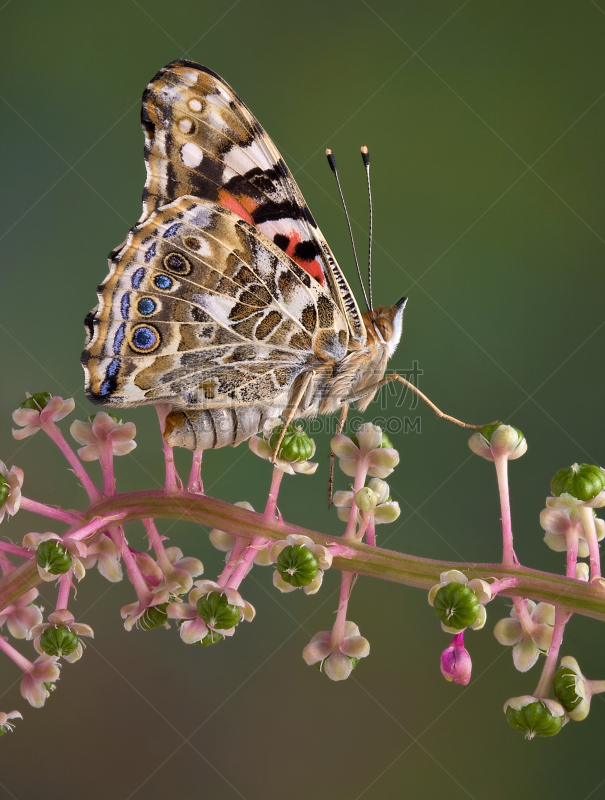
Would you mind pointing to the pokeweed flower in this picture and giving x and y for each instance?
(38, 410)
(456, 664)
(584, 482)
(102, 430)
(370, 444)
(385, 509)
(226, 541)
(300, 564)
(60, 636)
(529, 635)
(104, 554)
(337, 658)
(561, 518)
(458, 602)
(11, 481)
(582, 571)
(495, 441)
(55, 556)
(5, 725)
(212, 612)
(535, 716)
(35, 686)
(180, 569)
(573, 690)
(21, 615)
(295, 446)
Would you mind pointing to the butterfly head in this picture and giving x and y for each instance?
(384, 325)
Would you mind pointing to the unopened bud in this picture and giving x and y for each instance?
(297, 565)
(59, 641)
(53, 557)
(365, 499)
(582, 481)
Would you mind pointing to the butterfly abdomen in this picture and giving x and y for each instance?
(209, 429)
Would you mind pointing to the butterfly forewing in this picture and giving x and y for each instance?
(202, 140)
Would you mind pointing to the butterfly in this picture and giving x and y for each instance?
(225, 300)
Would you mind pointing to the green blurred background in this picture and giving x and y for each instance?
(485, 125)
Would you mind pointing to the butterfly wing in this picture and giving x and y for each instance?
(200, 309)
(201, 140)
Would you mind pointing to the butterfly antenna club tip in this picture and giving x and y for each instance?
(365, 155)
(332, 163)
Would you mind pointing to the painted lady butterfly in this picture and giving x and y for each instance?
(225, 300)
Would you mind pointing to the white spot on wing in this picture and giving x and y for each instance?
(217, 305)
(191, 154)
(185, 125)
(195, 105)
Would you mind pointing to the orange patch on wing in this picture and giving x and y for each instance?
(233, 204)
(312, 268)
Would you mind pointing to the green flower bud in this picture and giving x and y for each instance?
(212, 637)
(59, 641)
(2, 730)
(53, 557)
(153, 617)
(296, 445)
(366, 499)
(36, 401)
(534, 719)
(564, 685)
(4, 490)
(456, 605)
(297, 565)
(582, 481)
(216, 611)
(386, 442)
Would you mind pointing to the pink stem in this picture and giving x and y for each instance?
(238, 550)
(106, 461)
(572, 553)
(134, 573)
(64, 590)
(71, 517)
(502, 585)
(360, 479)
(276, 479)
(56, 435)
(523, 614)
(545, 682)
(371, 531)
(155, 540)
(93, 526)
(508, 556)
(172, 479)
(6, 566)
(15, 655)
(590, 531)
(195, 477)
(16, 550)
(338, 631)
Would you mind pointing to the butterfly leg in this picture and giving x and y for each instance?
(395, 377)
(293, 408)
(339, 429)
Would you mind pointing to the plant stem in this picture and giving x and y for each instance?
(71, 517)
(195, 483)
(57, 436)
(172, 479)
(508, 557)
(590, 531)
(545, 682)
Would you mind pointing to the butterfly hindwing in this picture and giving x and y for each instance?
(201, 309)
(201, 140)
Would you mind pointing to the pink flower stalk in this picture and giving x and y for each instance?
(12, 480)
(22, 615)
(456, 664)
(173, 482)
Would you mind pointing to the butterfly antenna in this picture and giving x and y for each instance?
(332, 163)
(366, 162)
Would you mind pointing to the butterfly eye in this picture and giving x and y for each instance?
(385, 328)
(175, 262)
